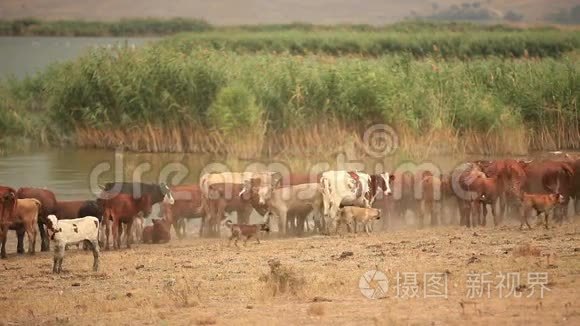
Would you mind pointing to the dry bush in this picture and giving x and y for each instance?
(282, 279)
(316, 309)
(527, 250)
(184, 294)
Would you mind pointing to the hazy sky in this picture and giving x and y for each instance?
(264, 11)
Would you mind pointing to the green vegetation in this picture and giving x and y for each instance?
(302, 88)
(125, 27)
(151, 26)
(420, 44)
(224, 91)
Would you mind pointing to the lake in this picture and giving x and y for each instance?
(20, 56)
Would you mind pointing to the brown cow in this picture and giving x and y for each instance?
(575, 187)
(232, 191)
(550, 176)
(121, 202)
(159, 232)
(488, 191)
(431, 195)
(188, 205)
(7, 207)
(48, 201)
(511, 178)
(462, 179)
(24, 214)
(71, 209)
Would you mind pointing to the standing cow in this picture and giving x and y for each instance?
(122, 201)
(232, 191)
(48, 202)
(187, 205)
(291, 201)
(350, 188)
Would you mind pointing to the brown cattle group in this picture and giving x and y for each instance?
(505, 187)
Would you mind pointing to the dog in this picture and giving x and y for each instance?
(541, 203)
(246, 231)
(350, 215)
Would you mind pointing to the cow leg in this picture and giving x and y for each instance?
(44, 241)
(431, 210)
(301, 219)
(20, 243)
(129, 234)
(282, 219)
(58, 257)
(496, 214)
(333, 216)
(31, 234)
(116, 234)
(94, 246)
(4, 236)
(107, 221)
(483, 217)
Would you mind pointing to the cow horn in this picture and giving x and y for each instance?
(102, 187)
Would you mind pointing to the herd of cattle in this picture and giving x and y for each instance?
(329, 199)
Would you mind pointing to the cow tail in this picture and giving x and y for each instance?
(38, 207)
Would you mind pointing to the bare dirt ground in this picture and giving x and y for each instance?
(261, 11)
(203, 282)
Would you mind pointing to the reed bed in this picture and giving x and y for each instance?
(446, 43)
(124, 27)
(153, 26)
(163, 99)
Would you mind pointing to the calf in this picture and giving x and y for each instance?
(246, 231)
(351, 215)
(541, 203)
(66, 232)
(159, 232)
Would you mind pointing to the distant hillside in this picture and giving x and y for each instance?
(229, 12)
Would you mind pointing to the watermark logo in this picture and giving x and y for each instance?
(380, 140)
(373, 284)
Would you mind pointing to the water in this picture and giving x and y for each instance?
(21, 56)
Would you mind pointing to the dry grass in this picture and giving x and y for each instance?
(324, 138)
(203, 282)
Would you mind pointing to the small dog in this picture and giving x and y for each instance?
(246, 231)
(541, 203)
(350, 215)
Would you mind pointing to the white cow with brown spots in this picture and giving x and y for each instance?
(67, 232)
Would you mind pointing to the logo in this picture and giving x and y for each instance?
(373, 284)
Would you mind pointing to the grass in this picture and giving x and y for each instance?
(302, 90)
(160, 27)
(162, 99)
(421, 42)
(124, 27)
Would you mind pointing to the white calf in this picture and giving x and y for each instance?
(65, 232)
